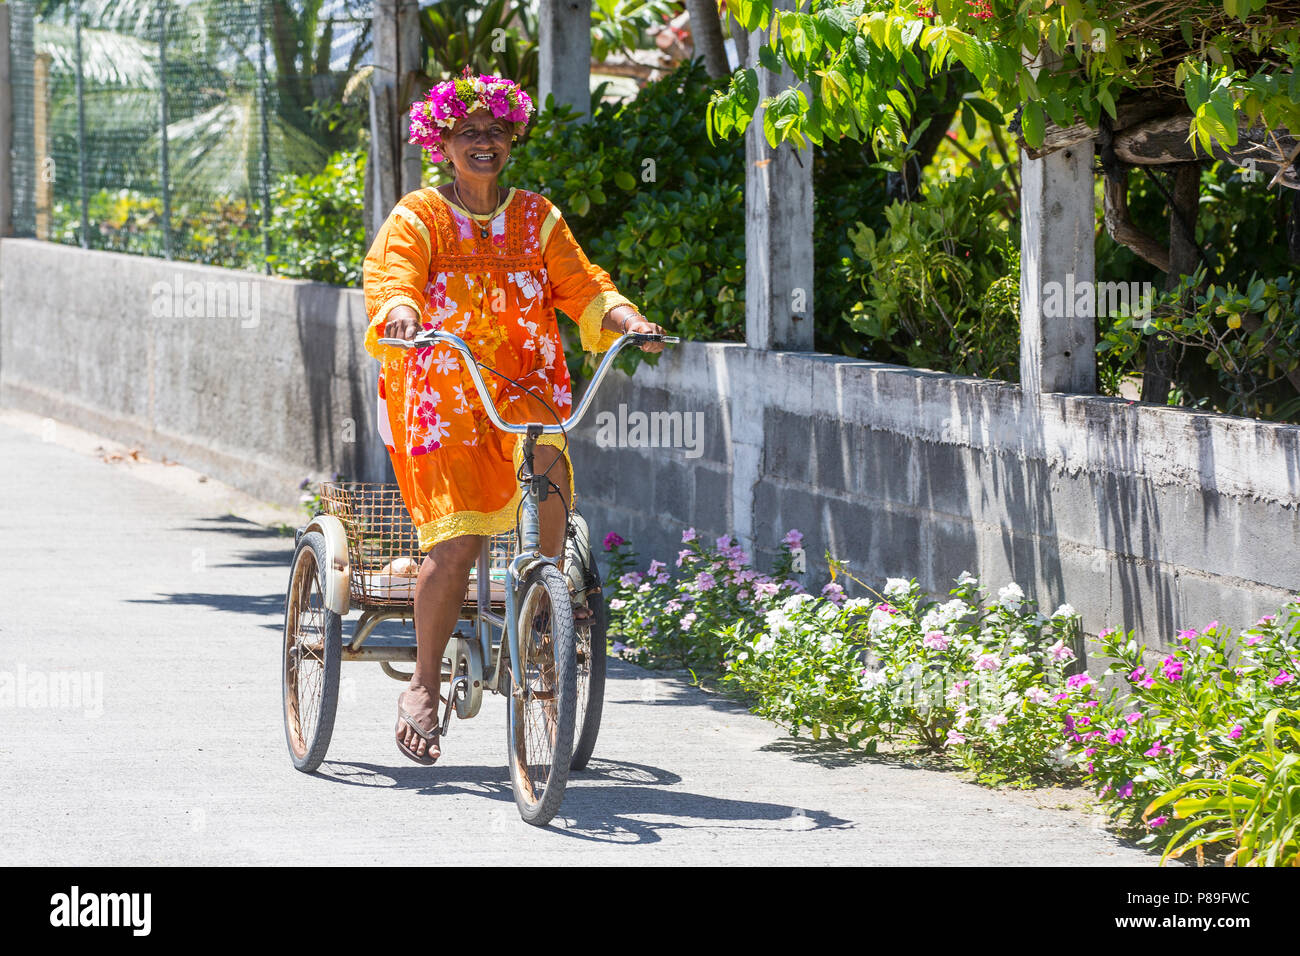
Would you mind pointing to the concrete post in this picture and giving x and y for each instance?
(1058, 272)
(778, 227)
(408, 62)
(6, 129)
(394, 163)
(564, 55)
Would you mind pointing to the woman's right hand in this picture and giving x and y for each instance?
(403, 323)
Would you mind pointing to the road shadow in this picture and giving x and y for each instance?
(603, 804)
(673, 688)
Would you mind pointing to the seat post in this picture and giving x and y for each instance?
(484, 575)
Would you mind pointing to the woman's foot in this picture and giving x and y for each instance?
(420, 703)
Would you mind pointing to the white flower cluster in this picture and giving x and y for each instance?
(1011, 597)
(897, 588)
(880, 620)
(794, 600)
(938, 618)
(872, 679)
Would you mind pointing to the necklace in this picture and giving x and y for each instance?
(482, 226)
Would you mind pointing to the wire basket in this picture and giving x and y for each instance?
(384, 549)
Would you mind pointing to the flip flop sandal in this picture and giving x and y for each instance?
(427, 736)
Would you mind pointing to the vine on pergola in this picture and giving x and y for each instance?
(1154, 83)
(1055, 63)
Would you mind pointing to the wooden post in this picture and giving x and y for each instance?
(778, 228)
(41, 137)
(564, 54)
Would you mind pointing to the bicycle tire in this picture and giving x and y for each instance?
(539, 756)
(309, 723)
(591, 690)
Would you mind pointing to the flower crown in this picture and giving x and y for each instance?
(449, 100)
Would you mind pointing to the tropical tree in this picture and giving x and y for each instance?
(1167, 84)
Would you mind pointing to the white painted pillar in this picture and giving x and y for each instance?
(778, 227)
(1058, 219)
(394, 163)
(564, 53)
(408, 62)
(1057, 223)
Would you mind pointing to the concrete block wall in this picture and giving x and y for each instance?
(258, 381)
(1140, 516)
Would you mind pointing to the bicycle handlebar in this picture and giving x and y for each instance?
(427, 338)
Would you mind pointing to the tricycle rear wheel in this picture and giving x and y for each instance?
(313, 654)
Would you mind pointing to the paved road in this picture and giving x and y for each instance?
(139, 577)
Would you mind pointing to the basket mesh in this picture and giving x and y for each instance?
(383, 548)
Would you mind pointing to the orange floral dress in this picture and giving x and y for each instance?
(499, 293)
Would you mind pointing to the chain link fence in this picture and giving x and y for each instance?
(168, 127)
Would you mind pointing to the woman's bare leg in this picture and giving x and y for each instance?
(551, 513)
(439, 593)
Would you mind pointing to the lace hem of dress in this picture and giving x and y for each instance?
(460, 523)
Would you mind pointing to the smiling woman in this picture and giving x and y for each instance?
(490, 265)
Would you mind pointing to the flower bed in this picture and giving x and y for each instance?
(1206, 737)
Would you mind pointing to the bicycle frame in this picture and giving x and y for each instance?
(529, 554)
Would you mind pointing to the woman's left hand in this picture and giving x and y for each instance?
(642, 324)
(624, 319)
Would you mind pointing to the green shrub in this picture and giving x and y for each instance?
(317, 226)
(676, 616)
(941, 279)
(1255, 805)
(219, 232)
(650, 200)
(1192, 715)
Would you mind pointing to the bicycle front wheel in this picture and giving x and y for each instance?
(543, 697)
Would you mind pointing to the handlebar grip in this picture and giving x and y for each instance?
(654, 337)
(400, 343)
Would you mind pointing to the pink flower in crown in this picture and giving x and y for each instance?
(448, 101)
